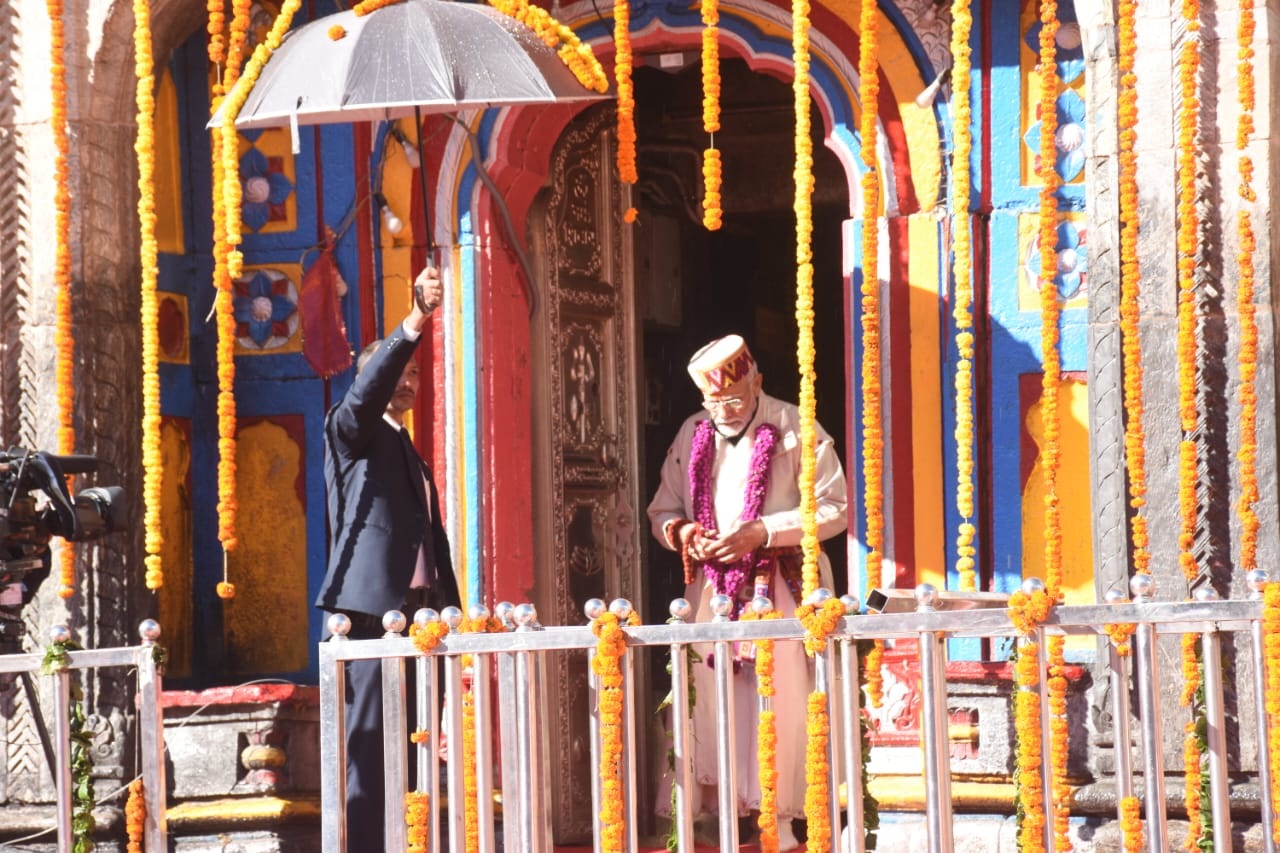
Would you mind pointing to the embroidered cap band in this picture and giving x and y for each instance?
(721, 363)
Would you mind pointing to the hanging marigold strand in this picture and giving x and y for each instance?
(872, 398)
(712, 214)
(611, 645)
(64, 340)
(1026, 711)
(626, 95)
(766, 739)
(417, 818)
(1050, 311)
(1248, 357)
(962, 271)
(1131, 824)
(1271, 694)
(1188, 462)
(804, 294)
(135, 815)
(577, 56)
(819, 621)
(1130, 287)
(144, 148)
(223, 300)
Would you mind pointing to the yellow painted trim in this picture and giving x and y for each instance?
(927, 395)
(907, 794)
(168, 169)
(241, 811)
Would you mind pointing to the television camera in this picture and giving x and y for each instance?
(36, 506)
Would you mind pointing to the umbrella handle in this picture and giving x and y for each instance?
(422, 186)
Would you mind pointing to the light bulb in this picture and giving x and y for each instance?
(394, 224)
(410, 150)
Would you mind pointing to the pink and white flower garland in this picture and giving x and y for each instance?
(730, 578)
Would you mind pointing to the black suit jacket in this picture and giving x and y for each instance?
(376, 499)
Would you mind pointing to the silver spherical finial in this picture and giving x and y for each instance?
(681, 609)
(424, 616)
(1116, 596)
(926, 596)
(339, 625)
(760, 605)
(452, 617)
(478, 612)
(593, 608)
(621, 608)
(505, 613)
(1205, 593)
(149, 630)
(1031, 586)
(851, 604)
(1142, 586)
(721, 606)
(59, 634)
(394, 621)
(819, 596)
(525, 615)
(1258, 580)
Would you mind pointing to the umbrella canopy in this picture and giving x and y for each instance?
(436, 55)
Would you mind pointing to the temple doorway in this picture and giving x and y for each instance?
(693, 285)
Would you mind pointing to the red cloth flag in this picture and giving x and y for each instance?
(324, 334)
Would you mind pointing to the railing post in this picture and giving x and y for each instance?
(151, 722)
(526, 771)
(453, 714)
(1258, 579)
(1215, 735)
(484, 744)
(593, 609)
(1122, 734)
(937, 744)
(333, 738)
(721, 607)
(427, 692)
(62, 742)
(395, 724)
(513, 738)
(851, 721)
(1142, 586)
(682, 780)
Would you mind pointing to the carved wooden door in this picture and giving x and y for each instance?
(587, 511)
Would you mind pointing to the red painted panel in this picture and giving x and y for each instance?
(898, 346)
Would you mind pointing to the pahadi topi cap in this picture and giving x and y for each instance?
(721, 363)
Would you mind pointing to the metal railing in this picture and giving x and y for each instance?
(520, 657)
(150, 722)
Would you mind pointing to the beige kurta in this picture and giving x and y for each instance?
(793, 679)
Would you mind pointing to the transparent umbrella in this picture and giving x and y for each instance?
(416, 56)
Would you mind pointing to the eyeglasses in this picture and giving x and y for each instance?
(727, 404)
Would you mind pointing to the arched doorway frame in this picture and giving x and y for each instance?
(490, 501)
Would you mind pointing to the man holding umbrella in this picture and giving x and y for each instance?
(388, 546)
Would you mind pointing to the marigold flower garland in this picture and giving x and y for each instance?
(1130, 287)
(626, 95)
(417, 818)
(577, 56)
(225, 158)
(1187, 253)
(962, 270)
(144, 148)
(1026, 720)
(611, 645)
(229, 150)
(64, 339)
(711, 209)
(1248, 357)
(872, 396)
(135, 815)
(820, 621)
(1131, 824)
(766, 740)
(470, 788)
(1271, 693)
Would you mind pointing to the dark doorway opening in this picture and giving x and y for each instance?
(694, 285)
